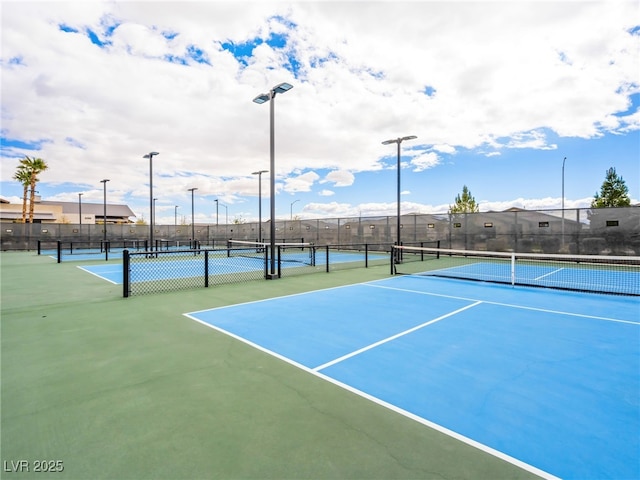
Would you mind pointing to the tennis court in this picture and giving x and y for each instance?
(544, 379)
(187, 264)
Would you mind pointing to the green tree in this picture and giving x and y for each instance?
(613, 193)
(32, 167)
(22, 175)
(465, 203)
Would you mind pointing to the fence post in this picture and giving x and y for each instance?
(125, 273)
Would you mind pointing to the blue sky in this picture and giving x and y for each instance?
(498, 94)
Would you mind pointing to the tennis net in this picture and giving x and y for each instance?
(296, 252)
(587, 273)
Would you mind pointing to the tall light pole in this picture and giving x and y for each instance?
(154, 210)
(104, 217)
(193, 228)
(260, 99)
(80, 210)
(291, 216)
(175, 217)
(216, 200)
(563, 160)
(398, 141)
(150, 157)
(259, 173)
(226, 214)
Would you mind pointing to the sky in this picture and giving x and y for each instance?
(512, 99)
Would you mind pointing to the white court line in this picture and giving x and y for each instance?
(393, 337)
(522, 307)
(547, 274)
(473, 443)
(100, 276)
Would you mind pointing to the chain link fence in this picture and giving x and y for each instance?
(605, 231)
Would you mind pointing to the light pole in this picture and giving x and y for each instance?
(260, 99)
(80, 211)
(175, 217)
(226, 214)
(193, 228)
(291, 215)
(150, 157)
(398, 141)
(259, 173)
(216, 200)
(563, 160)
(104, 217)
(154, 210)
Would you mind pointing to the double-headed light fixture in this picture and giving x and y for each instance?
(398, 141)
(260, 99)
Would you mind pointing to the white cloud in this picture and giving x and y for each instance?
(503, 74)
(326, 193)
(425, 161)
(300, 183)
(340, 178)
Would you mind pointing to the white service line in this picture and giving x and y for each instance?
(393, 337)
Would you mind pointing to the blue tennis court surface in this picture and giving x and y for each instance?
(547, 380)
(158, 269)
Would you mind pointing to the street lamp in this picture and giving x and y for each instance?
(398, 141)
(175, 217)
(292, 207)
(150, 157)
(193, 229)
(259, 173)
(260, 99)
(80, 210)
(216, 200)
(104, 218)
(563, 160)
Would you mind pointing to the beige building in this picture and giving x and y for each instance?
(66, 212)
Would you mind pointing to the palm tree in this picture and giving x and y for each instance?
(34, 166)
(22, 175)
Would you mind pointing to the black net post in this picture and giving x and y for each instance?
(39, 250)
(125, 273)
(206, 268)
(59, 250)
(279, 263)
(327, 258)
(366, 255)
(266, 263)
(392, 258)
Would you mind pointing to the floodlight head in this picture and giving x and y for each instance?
(262, 98)
(105, 180)
(192, 189)
(259, 172)
(399, 140)
(283, 87)
(150, 155)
